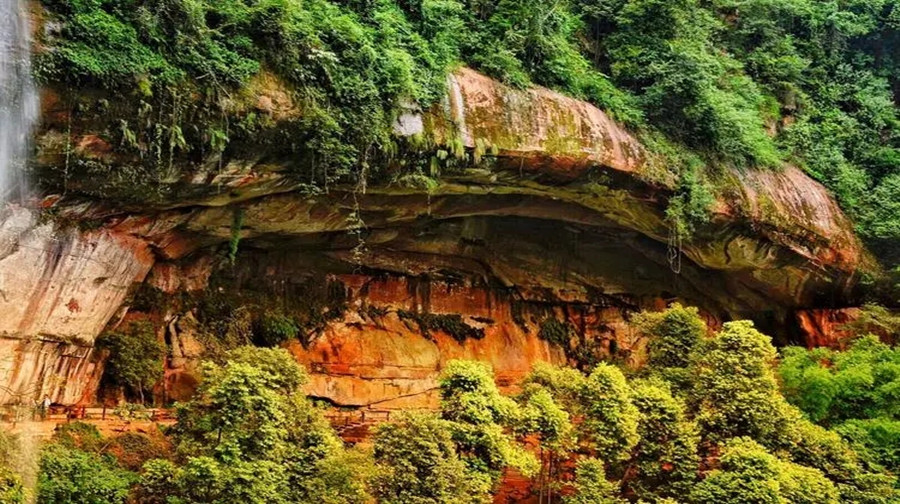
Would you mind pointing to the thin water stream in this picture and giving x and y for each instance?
(19, 110)
(18, 97)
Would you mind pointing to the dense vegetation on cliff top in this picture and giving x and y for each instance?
(705, 421)
(740, 82)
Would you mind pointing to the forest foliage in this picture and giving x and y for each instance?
(707, 84)
(713, 418)
(856, 392)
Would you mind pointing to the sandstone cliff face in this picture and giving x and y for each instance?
(562, 219)
(64, 283)
(826, 327)
(33, 369)
(58, 289)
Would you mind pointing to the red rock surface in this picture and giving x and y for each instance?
(386, 363)
(825, 327)
(549, 132)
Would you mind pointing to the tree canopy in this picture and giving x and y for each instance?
(705, 421)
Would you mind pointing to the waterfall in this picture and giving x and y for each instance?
(18, 114)
(18, 98)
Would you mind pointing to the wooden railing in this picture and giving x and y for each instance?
(20, 413)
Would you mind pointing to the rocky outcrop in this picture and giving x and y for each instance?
(826, 327)
(32, 369)
(64, 283)
(59, 287)
(777, 240)
(553, 211)
(543, 130)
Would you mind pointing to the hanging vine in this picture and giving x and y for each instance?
(237, 223)
(675, 244)
(356, 225)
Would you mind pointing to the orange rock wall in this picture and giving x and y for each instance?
(384, 362)
(825, 327)
(33, 369)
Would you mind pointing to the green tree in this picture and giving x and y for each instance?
(417, 463)
(591, 485)
(135, 357)
(479, 417)
(834, 386)
(251, 435)
(819, 448)
(564, 383)
(80, 435)
(805, 383)
(69, 475)
(665, 461)
(748, 474)
(735, 392)
(603, 402)
(547, 421)
(610, 417)
(208, 480)
(673, 335)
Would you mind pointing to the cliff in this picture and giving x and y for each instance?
(550, 230)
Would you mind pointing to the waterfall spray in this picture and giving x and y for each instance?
(18, 98)
(18, 114)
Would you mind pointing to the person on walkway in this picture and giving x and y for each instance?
(45, 407)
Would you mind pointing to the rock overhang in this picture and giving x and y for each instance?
(775, 243)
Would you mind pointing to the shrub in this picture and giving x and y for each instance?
(135, 357)
(80, 435)
(555, 332)
(11, 489)
(159, 481)
(133, 449)
(876, 440)
(71, 475)
(272, 329)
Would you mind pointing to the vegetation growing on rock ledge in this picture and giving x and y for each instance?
(451, 324)
(135, 359)
(744, 83)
